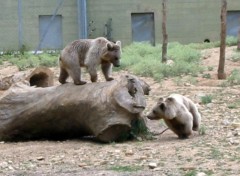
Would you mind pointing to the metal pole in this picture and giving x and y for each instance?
(49, 24)
(20, 33)
(82, 19)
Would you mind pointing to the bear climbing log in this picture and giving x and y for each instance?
(104, 110)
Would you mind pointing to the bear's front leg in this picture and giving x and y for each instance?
(93, 73)
(106, 70)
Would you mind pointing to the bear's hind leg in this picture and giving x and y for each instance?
(63, 76)
(106, 69)
(75, 73)
(93, 73)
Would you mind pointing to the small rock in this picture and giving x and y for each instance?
(142, 157)
(3, 164)
(117, 151)
(201, 174)
(10, 168)
(2, 142)
(170, 62)
(209, 105)
(187, 84)
(235, 125)
(185, 168)
(103, 162)
(82, 164)
(225, 122)
(129, 152)
(40, 158)
(235, 133)
(233, 142)
(139, 138)
(157, 169)
(152, 165)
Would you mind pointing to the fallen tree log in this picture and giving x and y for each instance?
(104, 110)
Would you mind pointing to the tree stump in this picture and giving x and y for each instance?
(104, 110)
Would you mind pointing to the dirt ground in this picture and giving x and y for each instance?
(217, 152)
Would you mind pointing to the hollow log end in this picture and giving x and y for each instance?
(41, 77)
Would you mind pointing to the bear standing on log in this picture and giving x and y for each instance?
(89, 53)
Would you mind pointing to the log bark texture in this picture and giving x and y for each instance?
(104, 110)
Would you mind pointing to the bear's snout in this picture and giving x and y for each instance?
(151, 116)
(116, 64)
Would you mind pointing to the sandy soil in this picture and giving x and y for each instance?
(217, 152)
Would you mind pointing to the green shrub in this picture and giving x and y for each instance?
(234, 78)
(206, 99)
(48, 60)
(145, 60)
(204, 45)
(125, 168)
(231, 41)
(235, 57)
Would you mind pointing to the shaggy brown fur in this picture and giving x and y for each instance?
(179, 113)
(89, 53)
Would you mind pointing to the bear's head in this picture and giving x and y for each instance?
(112, 53)
(166, 108)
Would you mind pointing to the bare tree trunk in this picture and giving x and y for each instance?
(221, 73)
(104, 110)
(238, 43)
(164, 32)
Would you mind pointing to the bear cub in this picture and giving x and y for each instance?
(89, 53)
(179, 113)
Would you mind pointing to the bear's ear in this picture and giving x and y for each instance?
(160, 99)
(109, 46)
(162, 106)
(118, 43)
(170, 99)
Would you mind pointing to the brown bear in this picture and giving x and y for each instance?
(179, 113)
(89, 53)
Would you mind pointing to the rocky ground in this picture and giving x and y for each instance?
(216, 151)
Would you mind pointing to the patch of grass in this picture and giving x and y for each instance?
(234, 78)
(210, 68)
(216, 154)
(145, 60)
(192, 80)
(206, 75)
(235, 56)
(202, 130)
(204, 45)
(191, 173)
(231, 41)
(125, 168)
(234, 105)
(206, 99)
(29, 60)
(138, 129)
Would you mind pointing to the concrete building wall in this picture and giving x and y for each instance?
(32, 9)
(8, 25)
(187, 20)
